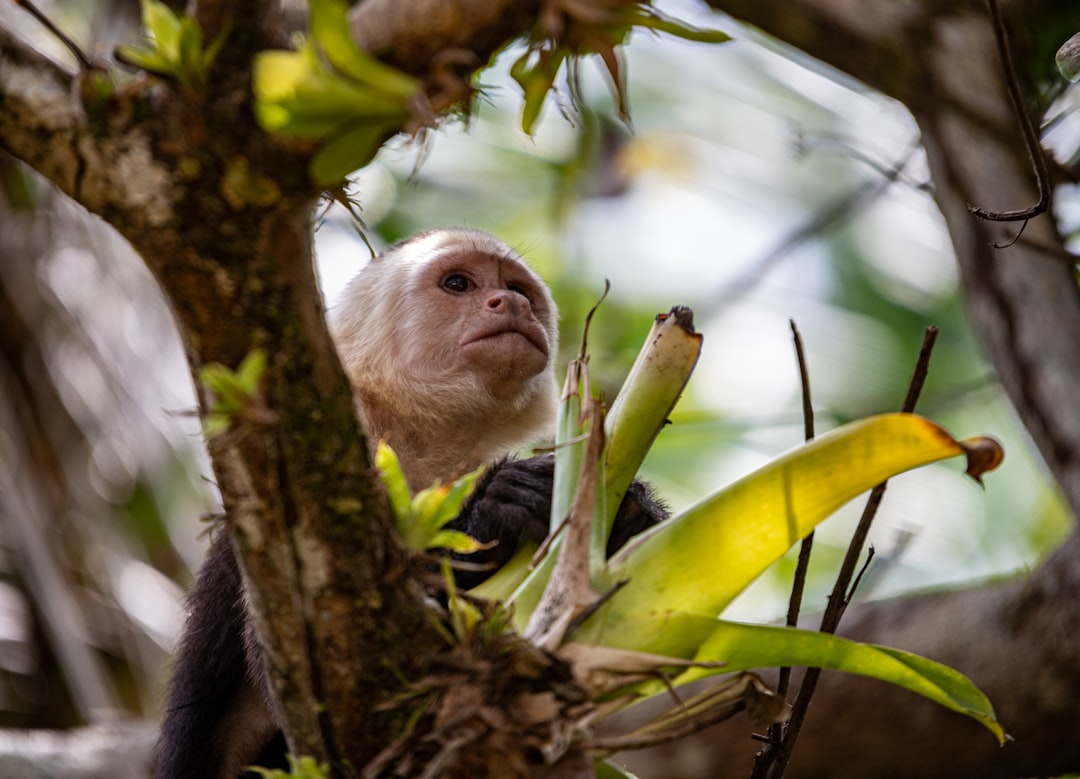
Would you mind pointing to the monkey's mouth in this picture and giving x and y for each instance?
(534, 339)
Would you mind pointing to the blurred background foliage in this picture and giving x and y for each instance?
(754, 185)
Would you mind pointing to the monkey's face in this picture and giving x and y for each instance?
(489, 316)
(451, 335)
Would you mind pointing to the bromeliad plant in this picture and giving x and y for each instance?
(650, 617)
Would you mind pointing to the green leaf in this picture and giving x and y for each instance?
(598, 31)
(570, 442)
(145, 59)
(657, 378)
(350, 150)
(536, 82)
(190, 54)
(641, 409)
(174, 47)
(455, 541)
(653, 20)
(305, 767)
(420, 519)
(743, 647)
(250, 372)
(571, 434)
(397, 488)
(234, 391)
(330, 32)
(698, 561)
(669, 586)
(331, 91)
(605, 769)
(234, 388)
(502, 584)
(163, 28)
(296, 95)
(458, 493)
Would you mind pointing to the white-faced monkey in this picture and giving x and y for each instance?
(449, 339)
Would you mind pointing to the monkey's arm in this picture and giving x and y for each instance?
(218, 717)
(512, 502)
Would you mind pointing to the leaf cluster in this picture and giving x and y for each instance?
(174, 48)
(236, 393)
(569, 29)
(332, 92)
(299, 768)
(421, 518)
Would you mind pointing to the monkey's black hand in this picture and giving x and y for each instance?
(512, 502)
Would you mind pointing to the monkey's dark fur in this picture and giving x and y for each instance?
(512, 501)
(219, 712)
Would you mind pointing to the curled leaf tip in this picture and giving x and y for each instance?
(984, 454)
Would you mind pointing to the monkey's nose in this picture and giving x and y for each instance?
(502, 300)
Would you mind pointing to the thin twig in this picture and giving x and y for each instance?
(611, 744)
(64, 38)
(1031, 138)
(922, 369)
(844, 208)
(765, 758)
(859, 577)
(840, 146)
(798, 585)
(1011, 241)
(594, 607)
(838, 600)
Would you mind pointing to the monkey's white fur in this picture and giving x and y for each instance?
(452, 380)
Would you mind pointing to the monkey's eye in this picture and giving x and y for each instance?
(456, 282)
(520, 289)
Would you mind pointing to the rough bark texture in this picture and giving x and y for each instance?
(414, 36)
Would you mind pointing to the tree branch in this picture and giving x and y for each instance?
(111, 171)
(36, 104)
(414, 35)
(1031, 137)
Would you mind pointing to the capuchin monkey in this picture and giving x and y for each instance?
(449, 340)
